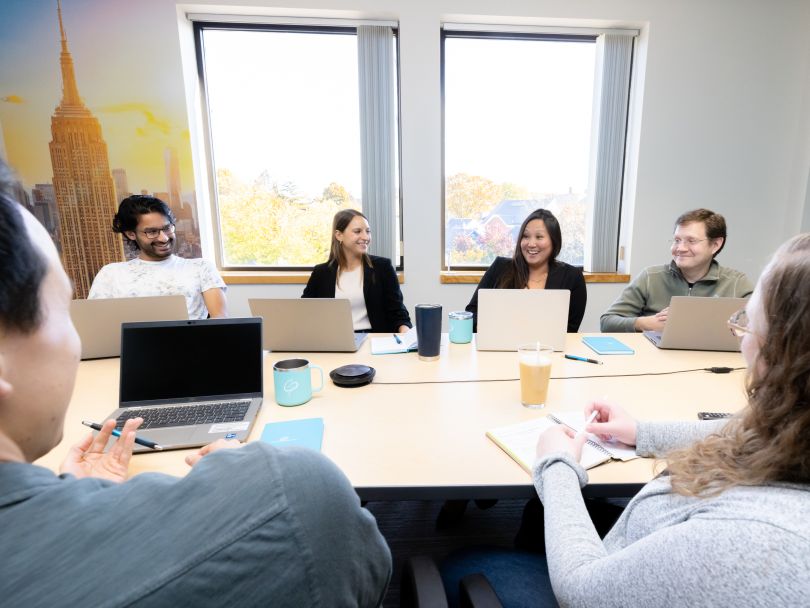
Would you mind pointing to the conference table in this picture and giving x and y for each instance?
(418, 431)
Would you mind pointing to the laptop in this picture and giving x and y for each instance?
(508, 318)
(193, 382)
(698, 323)
(98, 322)
(307, 324)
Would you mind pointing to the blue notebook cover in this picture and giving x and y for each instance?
(607, 346)
(305, 433)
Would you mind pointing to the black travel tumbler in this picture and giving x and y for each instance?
(428, 330)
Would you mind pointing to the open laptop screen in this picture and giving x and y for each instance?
(185, 360)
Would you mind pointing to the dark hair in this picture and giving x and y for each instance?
(130, 210)
(22, 266)
(517, 275)
(714, 222)
(340, 222)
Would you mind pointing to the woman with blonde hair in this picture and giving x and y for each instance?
(369, 282)
(726, 523)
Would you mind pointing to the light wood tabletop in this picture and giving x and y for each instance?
(418, 431)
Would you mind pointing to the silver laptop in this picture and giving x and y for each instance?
(307, 324)
(193, 382)
(508, 318)
(99, 321)
(695, 323)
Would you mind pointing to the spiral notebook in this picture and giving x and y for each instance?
(520, 441)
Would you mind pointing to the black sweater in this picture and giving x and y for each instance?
(560, 276)
(386, 311)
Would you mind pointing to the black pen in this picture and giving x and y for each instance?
(116, 433)
(397, 338)
(585, 359)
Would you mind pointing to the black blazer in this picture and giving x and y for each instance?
(386, 311)
(560, 276)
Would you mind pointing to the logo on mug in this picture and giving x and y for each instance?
(290, 386)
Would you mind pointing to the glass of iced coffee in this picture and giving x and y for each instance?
(535, 371)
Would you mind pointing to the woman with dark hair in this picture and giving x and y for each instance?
(534, 265)
(726, 523)
(369, 282)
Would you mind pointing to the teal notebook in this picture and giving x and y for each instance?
(306, 433)
(606, 345)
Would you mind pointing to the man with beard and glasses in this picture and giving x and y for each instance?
(148, 227)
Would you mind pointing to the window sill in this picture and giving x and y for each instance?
(272, 277)
(474, 276)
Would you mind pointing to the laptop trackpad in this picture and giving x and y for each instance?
(168, 438)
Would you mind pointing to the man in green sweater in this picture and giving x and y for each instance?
(699, 236)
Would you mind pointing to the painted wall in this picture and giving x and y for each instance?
(722, 120)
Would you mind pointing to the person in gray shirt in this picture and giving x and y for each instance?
(726, 524)
(699, 237)
(251, 526)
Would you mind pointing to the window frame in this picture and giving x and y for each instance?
(493, 32)
(283, 26)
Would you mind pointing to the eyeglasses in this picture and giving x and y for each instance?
(738, 323)
(153, 233)
(688, 242)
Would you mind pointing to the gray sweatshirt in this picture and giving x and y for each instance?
(749, 546)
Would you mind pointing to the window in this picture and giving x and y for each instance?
(521, 132)
(285, 141)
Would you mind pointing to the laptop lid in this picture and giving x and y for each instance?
(510, 317)
(191, 362)
(98, 322)
(698, 323)
(307, 324)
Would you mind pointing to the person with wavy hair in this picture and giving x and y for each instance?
(369, 282)
(726, 523)
(534, 265)
(770, 439)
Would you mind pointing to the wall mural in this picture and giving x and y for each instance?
(92, 109)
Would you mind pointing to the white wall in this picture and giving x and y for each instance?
(724, 123)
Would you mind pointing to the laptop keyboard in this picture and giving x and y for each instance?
(186, 415)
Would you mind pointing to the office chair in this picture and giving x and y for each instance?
(421, 587)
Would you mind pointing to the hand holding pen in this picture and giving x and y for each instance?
(88, 458)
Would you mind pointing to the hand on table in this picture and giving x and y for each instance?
(88, 458)
(611, 422)
(219, 444)
(560, 439)
(654, 322)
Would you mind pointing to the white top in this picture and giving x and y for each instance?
(350, 287)
(170, 277)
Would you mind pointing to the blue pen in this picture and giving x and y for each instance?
(396, 337)
(117, 433)
(585, 359)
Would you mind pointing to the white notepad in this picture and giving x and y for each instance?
(520, 441)
(390, 345)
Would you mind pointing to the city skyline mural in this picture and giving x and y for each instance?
(83, 133)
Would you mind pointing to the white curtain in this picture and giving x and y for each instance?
(614, 59)
(375, 55)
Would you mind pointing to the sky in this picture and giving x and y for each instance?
(287, 104)
(127, 63)
(539, 137)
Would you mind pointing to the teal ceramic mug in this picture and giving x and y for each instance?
(292, 380)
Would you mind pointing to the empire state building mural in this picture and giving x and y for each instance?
(78, 155)
(82, 182)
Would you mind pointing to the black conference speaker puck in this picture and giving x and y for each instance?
(352, 375)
